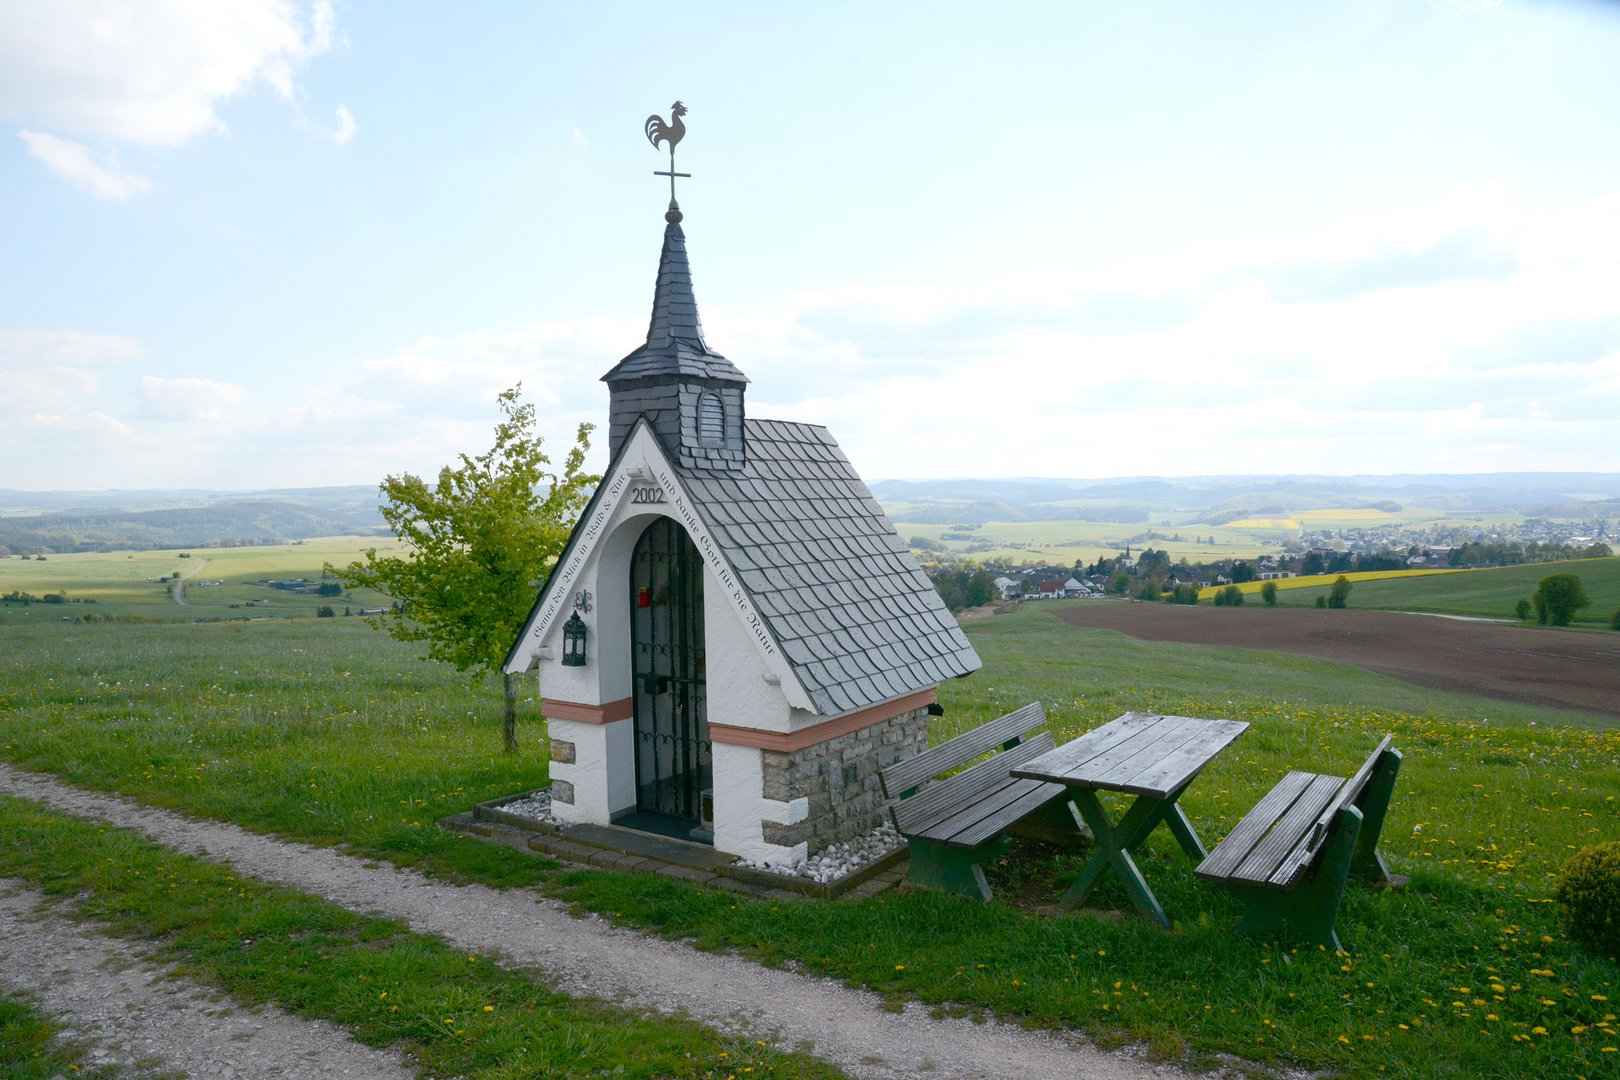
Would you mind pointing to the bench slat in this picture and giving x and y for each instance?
(1291, 830)
(986, 806)
(907, 774)
(1230, 852)
(1038, 795)
(943, 798)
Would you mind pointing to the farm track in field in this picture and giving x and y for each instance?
(180, 582)
(1558, 668)
(590, 957)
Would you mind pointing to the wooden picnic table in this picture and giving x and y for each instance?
(1151, 756)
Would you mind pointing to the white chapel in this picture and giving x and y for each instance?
(735, 640)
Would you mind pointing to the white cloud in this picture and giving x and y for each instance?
(47, 347)
(346, 128)
(1462, 334)
(96, 425)
(1215, 367)
(154, 71)
(187, 399)
(34, 390)
(81, 167)
(149, 72)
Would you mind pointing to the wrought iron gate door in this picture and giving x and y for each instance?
(673, 766)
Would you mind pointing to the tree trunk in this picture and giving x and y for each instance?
(509, 714)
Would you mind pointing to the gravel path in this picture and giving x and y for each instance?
(136, 1017)
(590, 957)
(179, 591)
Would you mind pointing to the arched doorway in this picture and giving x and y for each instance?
(673, 764)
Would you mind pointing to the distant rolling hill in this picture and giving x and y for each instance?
(63, 521)
(1208, 498)
(57, 522)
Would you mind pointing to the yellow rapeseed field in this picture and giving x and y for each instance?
(1263, 523)
(1315, 580)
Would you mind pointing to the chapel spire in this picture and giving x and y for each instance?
(690, 394)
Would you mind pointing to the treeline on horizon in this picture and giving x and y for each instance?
(244, 523)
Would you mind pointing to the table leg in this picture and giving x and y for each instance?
(1114, 844)
(1183, 830)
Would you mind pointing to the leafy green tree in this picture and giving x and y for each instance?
(963, 586)
(949, 587)
(1339, 595)
(1241, 572)
(478, 542)
(1153, 561)
(1231, 596)
(1614, 620)
(1521, 610)
(1185, 593)
(1313, 564)
(1268, 593)
(1562, 595)
(1321, 600)
(980, 588)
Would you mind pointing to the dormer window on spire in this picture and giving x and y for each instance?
(711, 420)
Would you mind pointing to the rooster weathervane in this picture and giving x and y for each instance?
(672, 133)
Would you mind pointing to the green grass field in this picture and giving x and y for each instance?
(329, 732)
(125, 585)
(1489, 593)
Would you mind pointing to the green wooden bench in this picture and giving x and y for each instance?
(956, 824)
(1291, 857)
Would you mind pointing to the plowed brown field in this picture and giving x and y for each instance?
(1559, 668)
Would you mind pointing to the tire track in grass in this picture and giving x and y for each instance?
(588, 956)
(136, 1017)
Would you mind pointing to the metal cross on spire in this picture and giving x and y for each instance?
(672, 133)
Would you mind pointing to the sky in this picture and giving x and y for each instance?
(252, 244)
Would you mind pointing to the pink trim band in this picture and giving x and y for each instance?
(623, 709)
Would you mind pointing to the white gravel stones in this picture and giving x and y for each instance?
(536, 805)
(835, 862)
(838, 860)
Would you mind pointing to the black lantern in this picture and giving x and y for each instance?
(574, 641)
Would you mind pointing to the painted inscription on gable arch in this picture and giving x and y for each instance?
(585, 543)
(711, 555)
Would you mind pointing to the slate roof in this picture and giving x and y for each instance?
(839, 590)
(675, 344)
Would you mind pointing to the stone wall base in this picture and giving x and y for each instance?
(840, 779)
